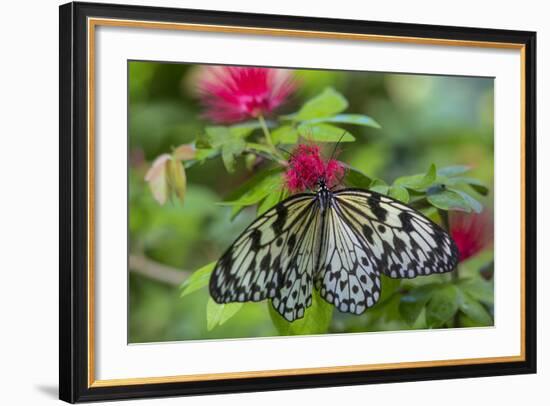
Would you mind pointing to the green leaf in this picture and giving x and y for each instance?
(382, 189)
(316, 318)
(378, 182)
(288, 117)
(271, 200)
(465, 321)
(478, 187)
(356, 119)
(285, 134)
(475, 184)
(230, 140)
(479, 289)
(326, 104)
(243, 130)
(411, 304)
(448, 176)
(400, 193)
(449, 200)
(201, 142)
(258, 192)
(230, 150)
(475, 311)
(217, 136)
(356, 178)
(218, 314)
(379, 186)
(324, 133)
(418, 182)
(229, 310)
(204, 153)
(453, 170)
(197, 279)
(258, 147)
(246, 188)
(388, 289)
(251, 183)
(476, 206)
(442, 306)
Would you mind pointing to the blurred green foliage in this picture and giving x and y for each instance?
(439, 128)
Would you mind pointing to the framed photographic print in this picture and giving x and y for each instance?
(256, 202)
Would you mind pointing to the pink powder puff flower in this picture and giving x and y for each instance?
(306, 168)
(471, 232)
(232, 94)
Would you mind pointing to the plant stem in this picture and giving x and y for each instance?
(156, 271)
(268, 139)
(280, 161)
(267, 134)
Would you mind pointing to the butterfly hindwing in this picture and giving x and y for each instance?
(346, 275)
(272, 259)
(296, 283)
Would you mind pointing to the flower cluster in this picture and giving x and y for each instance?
(232, 94)
(306, 168)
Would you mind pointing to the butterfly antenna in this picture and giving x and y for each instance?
(290, 155)
(334, 152)
(336, 146)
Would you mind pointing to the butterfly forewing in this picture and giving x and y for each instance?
(272, 258)
(400, 240)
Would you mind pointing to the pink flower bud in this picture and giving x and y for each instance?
(471, 232)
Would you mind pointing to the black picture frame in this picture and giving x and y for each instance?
(74, 199)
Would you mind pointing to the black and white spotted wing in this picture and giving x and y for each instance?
(338, 241)
(346, 275)
(367, 234)
(273, 258)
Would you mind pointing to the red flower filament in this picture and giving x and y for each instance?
(306, 168)
(232, 94)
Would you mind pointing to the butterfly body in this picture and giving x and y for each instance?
(339, 242)
(323, 196)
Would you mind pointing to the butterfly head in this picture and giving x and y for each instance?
(321, 182)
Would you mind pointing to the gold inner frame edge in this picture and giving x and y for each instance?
(92, 23)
